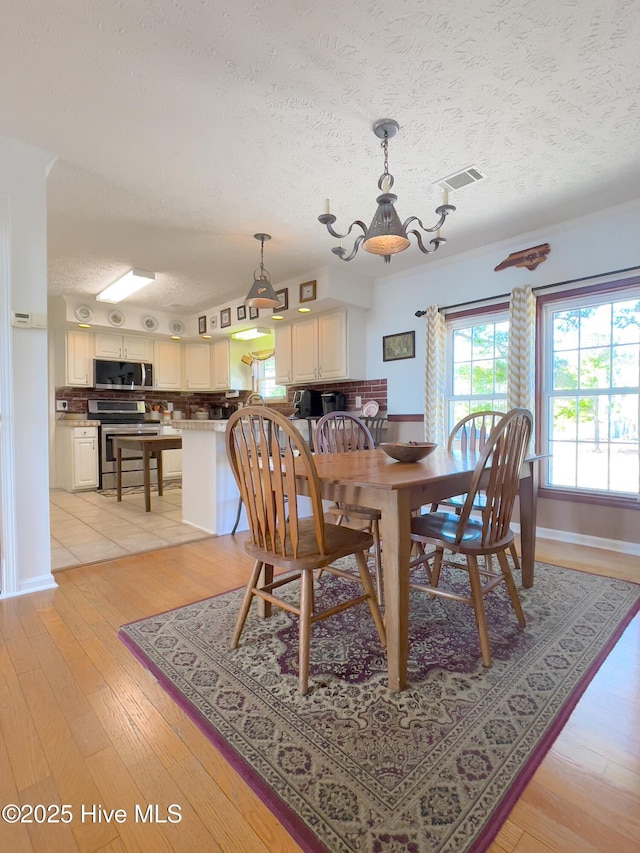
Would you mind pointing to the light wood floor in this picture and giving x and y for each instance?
(83, 723)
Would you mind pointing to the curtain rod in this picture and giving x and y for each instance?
(535, 290)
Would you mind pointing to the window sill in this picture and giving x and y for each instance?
(589, 498)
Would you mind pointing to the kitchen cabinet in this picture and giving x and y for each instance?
(78, 358)
(171, 459)
(197, 367)
(130, 347)
(228, 372)
(283, 354)
(77, 458)
(325, 348)
(167, 365)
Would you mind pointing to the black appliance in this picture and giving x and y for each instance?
(307, 404)
(334, 402)
(122, 375)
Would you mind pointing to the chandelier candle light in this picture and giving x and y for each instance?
(262, 294)
(386, 235)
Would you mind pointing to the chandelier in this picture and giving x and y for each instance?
(262, 294)
(386, 235)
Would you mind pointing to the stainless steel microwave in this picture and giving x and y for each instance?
(122, 375)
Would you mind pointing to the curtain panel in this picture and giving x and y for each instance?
(434, 386)
(522, 345)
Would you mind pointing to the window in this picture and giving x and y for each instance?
(265, 380)
(591, 393)
(477, 350)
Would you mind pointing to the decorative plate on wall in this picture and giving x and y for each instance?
(83, 313)
(150, 323)
(116, 318)
(176, 327)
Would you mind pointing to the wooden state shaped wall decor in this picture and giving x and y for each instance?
(529, 258)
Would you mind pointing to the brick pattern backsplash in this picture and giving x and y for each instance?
(188, 402)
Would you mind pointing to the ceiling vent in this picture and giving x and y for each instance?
(470, 175)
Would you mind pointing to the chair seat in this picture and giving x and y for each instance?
(339, 541)
(443, 526)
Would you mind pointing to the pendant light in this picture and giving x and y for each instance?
(262, 294)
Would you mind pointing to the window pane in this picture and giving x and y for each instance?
(595, 367)
(482, 341)
(562, 464)
(564, 419)
(625, 468)
(502, 339)
(626, 366)
(565, 330)
(462, 379)
(595, 326)
(565, 371)
(626, 322)
(462, 345)
(482, 377)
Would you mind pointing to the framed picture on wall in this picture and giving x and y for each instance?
(202, 325)
(402, 345)
(283, 296)
(253, 313)
(242, 312)
(213, 322)
(307, 291)
(225, 318)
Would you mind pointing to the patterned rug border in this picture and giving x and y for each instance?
(298, 830)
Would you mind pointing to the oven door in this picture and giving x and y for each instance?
(132, 465)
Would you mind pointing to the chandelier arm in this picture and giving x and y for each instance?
(340, 252)
(436, 242)
(342, 236)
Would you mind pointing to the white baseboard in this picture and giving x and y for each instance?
(618, 545)
(33, 585)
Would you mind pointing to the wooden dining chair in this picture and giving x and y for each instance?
(470, 435)
(265, 453)
(497, 472)
(340, 432)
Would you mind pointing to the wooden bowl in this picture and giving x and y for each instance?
(408, 451)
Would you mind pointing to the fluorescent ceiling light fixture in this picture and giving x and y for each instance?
(250, 334)
(125, 286)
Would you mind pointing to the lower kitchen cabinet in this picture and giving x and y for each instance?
(171, 459)
(77, 458)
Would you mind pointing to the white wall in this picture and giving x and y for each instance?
(24, 479)
(583, 247)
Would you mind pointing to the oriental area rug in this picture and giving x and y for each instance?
(352, 766)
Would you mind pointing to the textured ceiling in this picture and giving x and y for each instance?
(183, 127)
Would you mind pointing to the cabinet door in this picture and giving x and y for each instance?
(197, 367)
(332, 345)
(137, 348)
(78, 355)
(167, 365)
(108, 346)
(304, 337)
(84, 463)
(282, 346)
(220, 365)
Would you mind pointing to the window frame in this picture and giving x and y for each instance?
(596, 294)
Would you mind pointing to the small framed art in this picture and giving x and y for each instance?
(213, 322)
(202, 325)
(225, 318)
(254, 313)
(402, 345)
(307, 291)
(283, 296)
(242, 312)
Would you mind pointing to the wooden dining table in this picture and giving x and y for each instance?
(149, 446)
(372, 479)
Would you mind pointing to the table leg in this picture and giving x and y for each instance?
(395, 529)
(159, 455)
(119, 473)
(528, 510)
(147, 480)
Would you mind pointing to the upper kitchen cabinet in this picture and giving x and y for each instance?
(284, 354)
(74, 358)
(167, 365)
(228, 371)
(197, 367)
(130, 347)
(325, 348)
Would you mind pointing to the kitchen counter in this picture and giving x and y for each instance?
(200, 426)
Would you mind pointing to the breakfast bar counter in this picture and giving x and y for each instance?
(209, 492)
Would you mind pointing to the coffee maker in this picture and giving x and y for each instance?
(307, 403)
(333, 402)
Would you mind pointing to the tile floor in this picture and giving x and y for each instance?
(87, 526)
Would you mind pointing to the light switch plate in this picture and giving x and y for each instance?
(358, 402)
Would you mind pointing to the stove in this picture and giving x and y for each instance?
(118, 418)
